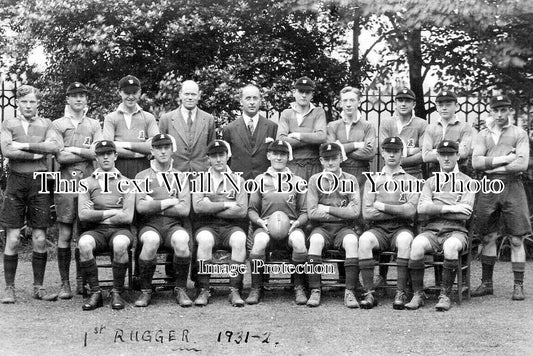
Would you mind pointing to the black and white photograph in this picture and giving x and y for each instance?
(266, 177)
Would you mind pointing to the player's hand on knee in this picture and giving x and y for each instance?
(294, 225)
(263, 224)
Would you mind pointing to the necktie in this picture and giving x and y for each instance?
(251, 126)
(189, 119)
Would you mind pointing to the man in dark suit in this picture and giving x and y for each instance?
(249, 136)
(193, 130)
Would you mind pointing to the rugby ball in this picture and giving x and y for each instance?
(278, 225)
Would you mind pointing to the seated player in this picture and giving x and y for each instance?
(333, 211)
(447, 212)
(161, 213)
(220, 222)
(390, 216)
(504, 158)
(263, 204)
(109, 214)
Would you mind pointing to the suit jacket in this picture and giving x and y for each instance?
(249, 152)
(191, 155)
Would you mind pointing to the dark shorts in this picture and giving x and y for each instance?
(438, 232)
(222, 235)
(387, 232)
(103, 236)
(66, 207)
(24, 202)
(164, 232)
(357, 168)
(129, 167)
(305, 168)
(333, 234)
(510, 205)
(66, 204)
(273, 244)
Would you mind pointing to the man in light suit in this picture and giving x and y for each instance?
(249, 136)
(192, 128)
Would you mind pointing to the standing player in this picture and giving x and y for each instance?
(77, 134)
(333, 210)
(26, 140)
(447, 209)
(108, 211)
(192, 128)
(357, 136)
(161, 213)
(409, 128)
(130, 127)
(390, 215)
(303, 126)
(448, 127)
(221, 221)
(502, 151)
(249, 136)
(275, 198)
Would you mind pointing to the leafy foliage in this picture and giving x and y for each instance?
(222, 44)
(474, 45)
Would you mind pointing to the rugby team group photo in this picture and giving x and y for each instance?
(303, 185)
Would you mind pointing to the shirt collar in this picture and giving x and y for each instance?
(211, 171)
(355, 121)
(153, 166)
(453, 121)
(70, 113)
(492, 125)
(311, 107)
(455, 169)
(271, 172)
(397, 117)
(247, 118)
(398, 171)
(114, 173)
(327, 175)
(122, 109)
(22, 118)
(185, 112)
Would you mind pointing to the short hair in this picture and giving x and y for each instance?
(189, 81)
(28, 89)
(351, 89)
(241, 91)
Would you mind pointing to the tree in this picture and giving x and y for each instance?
(475, 44)
(223, 44)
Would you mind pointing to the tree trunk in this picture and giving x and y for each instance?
(414, 58)
(355, 63)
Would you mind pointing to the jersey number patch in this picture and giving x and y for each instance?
(290, 200)
(403, 198)
(231, 194)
